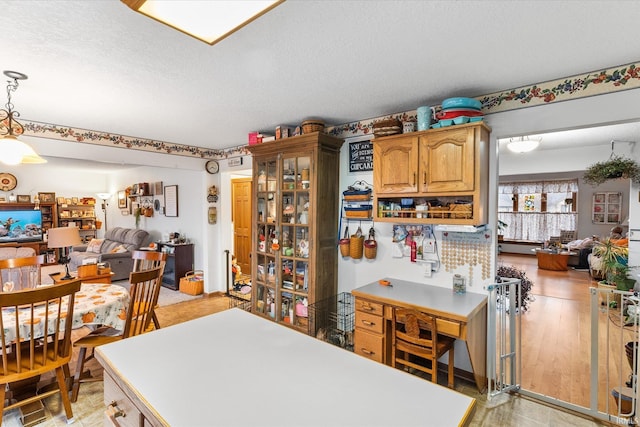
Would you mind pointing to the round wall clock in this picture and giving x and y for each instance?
(212, 166)
(7, 182)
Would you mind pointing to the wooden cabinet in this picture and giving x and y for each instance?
(179, 263)
(369, 330)
(446, 169)
(83, 216)
(295, 217)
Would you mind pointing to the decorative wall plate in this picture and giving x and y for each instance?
(7, 181)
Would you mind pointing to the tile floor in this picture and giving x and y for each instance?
(507, 410)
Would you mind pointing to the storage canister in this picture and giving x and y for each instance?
(459, 284)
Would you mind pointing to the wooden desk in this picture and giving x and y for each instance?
(462, 316)
(260, 373)
(556, 261)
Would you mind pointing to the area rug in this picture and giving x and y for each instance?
(166, 297)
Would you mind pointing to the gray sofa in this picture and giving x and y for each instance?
(127, 239)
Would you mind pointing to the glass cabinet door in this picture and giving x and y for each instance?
(267, 218)
(294, 250)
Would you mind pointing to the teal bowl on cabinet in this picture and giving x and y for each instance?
(461, 102)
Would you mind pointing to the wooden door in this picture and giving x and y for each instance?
(447, 161)
(241, 217)
(396, 161)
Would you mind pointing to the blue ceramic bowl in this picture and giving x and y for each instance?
(461, 103)
(445, 123)
(461, 120)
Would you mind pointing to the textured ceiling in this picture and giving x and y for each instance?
(98, 65)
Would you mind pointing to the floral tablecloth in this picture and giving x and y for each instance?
(95, 304)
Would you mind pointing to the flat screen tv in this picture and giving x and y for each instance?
(20, 225)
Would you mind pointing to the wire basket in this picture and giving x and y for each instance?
(332, 320)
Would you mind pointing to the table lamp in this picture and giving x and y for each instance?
(64, 237)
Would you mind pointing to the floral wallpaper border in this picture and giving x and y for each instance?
(600, 82)
(66, 133)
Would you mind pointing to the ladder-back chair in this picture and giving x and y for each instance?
(145, 287)
(146, 260)
(21, 273)
(37, 342)
(417, 345)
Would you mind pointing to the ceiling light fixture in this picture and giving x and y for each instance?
(523, 144)
(14, 151)
(209, 21)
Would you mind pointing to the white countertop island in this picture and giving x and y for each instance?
(236, 369)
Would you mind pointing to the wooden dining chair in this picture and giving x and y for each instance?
(143, 297)
(26, 351)
(417, 344)
(146, 260)
(21, 273)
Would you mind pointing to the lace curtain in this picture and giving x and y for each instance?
(537, 226)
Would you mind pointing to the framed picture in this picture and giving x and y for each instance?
(123, 201)
(74, 200)
(47, 197)
(61, 200)
(3, 199)
(171, 200)
(24, 198)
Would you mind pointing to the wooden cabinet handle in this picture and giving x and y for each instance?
(366, 322)
(414, 179)
(367, 352)
(114, 412)
(424, 182)
(367, 307)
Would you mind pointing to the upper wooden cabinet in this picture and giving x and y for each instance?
(446, 167)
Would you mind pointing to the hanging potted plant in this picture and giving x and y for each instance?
(614, 168)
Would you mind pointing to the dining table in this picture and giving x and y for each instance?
(95, 304)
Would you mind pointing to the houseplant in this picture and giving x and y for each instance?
(611, 261)
(510, 271)
(614, 168)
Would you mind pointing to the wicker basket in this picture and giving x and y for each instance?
(460, 211)
(362, 211)
(345, 243)
(312, 125)
(356, 246)
(438, 211)
(370, 245)
(192, 283)
(387, 127)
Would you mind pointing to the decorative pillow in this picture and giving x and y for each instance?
(118, 250)
(95, 245)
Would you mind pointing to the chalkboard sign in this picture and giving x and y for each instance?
(360, 156)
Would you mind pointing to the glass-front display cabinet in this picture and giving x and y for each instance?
(295, 216)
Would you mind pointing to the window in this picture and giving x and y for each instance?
(536, 211)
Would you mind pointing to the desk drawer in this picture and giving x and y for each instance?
(369, 345)
(129, 416)
(369, 307)
(369, 322)
(449, 327)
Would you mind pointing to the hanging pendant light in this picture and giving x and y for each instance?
(12, 150)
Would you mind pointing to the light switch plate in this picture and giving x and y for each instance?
(634, 235)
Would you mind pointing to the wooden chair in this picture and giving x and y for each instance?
(417, 345)
(36, 354)
(146, 260)
(21, 273)
(145, 287)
